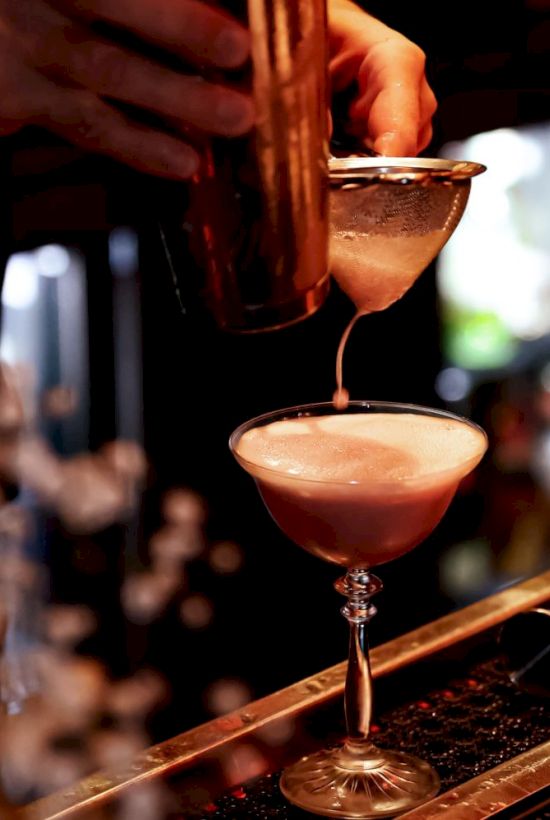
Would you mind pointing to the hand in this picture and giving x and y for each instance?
(394, 106)
(56, 72)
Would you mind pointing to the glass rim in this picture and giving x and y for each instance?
(301, 411)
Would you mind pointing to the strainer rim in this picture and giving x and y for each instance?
(405, 167)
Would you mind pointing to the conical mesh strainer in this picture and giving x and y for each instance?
(389, 218)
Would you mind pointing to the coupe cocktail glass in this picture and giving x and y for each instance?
(358, 487)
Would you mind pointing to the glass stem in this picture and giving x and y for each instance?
(358, 586)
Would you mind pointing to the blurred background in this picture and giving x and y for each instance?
(89, 302)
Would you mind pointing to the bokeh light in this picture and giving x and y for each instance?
(226, 557)
(227, 695)
(197, 611)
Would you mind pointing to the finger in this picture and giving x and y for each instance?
(428, 107)
(190, 28)
(390, 79)
(392, 121)
(86, 121)
(425, 137)
(68, 52)
(428, 102)
(73, 56)
(20, 88)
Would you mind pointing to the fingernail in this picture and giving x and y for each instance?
(235, 113)
(231, 48)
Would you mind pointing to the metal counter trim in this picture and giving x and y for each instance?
(492, 792)
(313, 691)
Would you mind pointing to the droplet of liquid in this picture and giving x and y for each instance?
(340, 398)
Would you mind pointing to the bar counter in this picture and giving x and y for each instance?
(446, 695)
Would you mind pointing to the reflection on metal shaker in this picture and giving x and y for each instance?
(258, 207)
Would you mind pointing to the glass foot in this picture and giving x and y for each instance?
(341, 783)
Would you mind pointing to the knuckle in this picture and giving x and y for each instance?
(418, 55)
(406, 50)
(397, 51)
(91, 123)
(426, 138)
(104, 66)
(415, 59)
(432, 103)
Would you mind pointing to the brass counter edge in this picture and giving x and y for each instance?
(183, 749)
(489, 793)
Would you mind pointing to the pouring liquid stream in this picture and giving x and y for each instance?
(375, 273)
(340, 397)
(375, 269)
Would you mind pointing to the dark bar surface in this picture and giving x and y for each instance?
(468, 728)
(445, 701)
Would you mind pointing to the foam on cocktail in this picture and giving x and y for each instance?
(379, 447)
(360, 488)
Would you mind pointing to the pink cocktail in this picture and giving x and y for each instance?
(358, 487)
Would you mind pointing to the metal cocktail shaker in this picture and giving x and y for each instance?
(257, 221)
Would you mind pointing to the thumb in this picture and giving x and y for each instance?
(394, 144)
